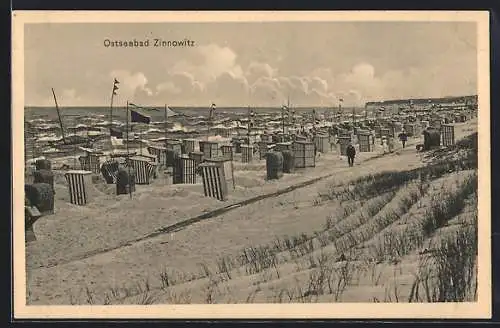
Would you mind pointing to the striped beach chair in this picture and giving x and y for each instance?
(247, 153)
(78, 182)
(365, 144)
(214, 182)
(144, 170)
(160, 153)
(227, 151)
(84, 163)
(95, 163)
(189, 145)
(210, 149)
(109, 170)
(448, 134)
(196, 156)
(184, 170)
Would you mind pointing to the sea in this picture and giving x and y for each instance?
(50, 113)
(42, 124)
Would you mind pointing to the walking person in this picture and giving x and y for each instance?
(351, 153)
(403, 137)
(332, 142)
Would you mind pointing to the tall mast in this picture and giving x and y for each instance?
(59, 115)
(128, 159)
(111, 111)
(165, 123)
(248, 125)
(289, 110)
(283, 119)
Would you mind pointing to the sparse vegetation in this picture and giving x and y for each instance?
(382, 220)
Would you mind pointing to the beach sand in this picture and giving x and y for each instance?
(84, 254)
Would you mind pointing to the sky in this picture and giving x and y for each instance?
(250, 64)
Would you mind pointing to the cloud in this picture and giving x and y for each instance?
(212, 73)
(168, 87)
(206, 63)
(313, 62)
(258, 70)
(131, 83)
(229, 88)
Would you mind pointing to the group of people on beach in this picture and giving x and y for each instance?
(351, 150)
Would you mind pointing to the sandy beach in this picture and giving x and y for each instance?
(112, 251)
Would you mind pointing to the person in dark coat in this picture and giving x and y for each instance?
(403, 137)
(351, 153)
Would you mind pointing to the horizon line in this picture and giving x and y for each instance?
(261, 106)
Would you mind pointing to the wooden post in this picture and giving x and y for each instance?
(128, 155)
(248, 125)
(165, 123)
(283, 119)
(111, 110)
(59, 116)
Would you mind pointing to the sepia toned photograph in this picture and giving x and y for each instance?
(251, 164)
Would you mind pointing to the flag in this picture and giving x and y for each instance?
(139, 118)
(115, 87)
(116, 133)
(341, 100)
(251, 119)
(212, 109)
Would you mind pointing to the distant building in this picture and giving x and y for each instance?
(423, 104)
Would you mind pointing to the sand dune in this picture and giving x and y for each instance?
(102, 246)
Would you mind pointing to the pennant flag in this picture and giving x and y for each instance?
(171, 112)
(139, 118)
(115, 88)
(116, 133)
(252, 118)
(144, 108)
(212, 109)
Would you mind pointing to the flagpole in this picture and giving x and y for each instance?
(111, 111)
(128, 160)
(59, 116)
(314, 120)
(209, 122)
(340, 110)
(283, 120)
(165, 124)
(115, 82)
(288, 112)
(248, 126)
